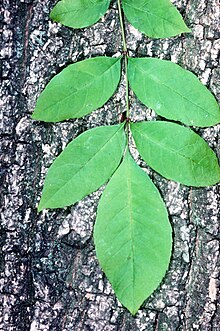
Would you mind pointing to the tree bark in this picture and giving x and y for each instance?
(50, 278)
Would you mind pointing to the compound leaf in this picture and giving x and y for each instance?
(173, 92)
(176, 152)
(79, 89)
(79, 13)
(155, 18)
(132, 235)
(84, 165)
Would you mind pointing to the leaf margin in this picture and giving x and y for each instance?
(135, 309)
(183, 29)
(198, 182)
(135, 64)
(55, 16)
(120, 127)
(41, 112)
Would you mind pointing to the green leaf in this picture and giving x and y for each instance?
(155, 18)
(79, 89)
(79, 13)
(132, 234)
(84, 165)
(173, 92)
(177, 153)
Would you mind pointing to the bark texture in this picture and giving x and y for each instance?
(49, 275)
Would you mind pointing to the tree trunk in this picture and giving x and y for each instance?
(50, 278)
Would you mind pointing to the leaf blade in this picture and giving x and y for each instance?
(173, 92)
(155, 18)
(79, 89)
(124, 237)
(177, 153)
(79, 14)
(98, 152)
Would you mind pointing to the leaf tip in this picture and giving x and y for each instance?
(133, 311)
(34, 116)
(188, 30)
(39, 115)
(40, 207)
(53, 16)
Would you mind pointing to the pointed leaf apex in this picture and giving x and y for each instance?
(155, 18)
(79, 89)
(79, 14)
(40, 207)
(132, 235)
(98, 152)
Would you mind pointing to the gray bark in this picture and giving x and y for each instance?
(49, 275)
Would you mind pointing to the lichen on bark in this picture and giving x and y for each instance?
(49, 275)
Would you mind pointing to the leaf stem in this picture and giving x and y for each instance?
(122, 27)
(125, 53)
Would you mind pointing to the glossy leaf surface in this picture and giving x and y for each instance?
(84, 165)
(155, 18)
(79, 13)
(173, 92)
(132, 235)
(79, 89)
(177, 153)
